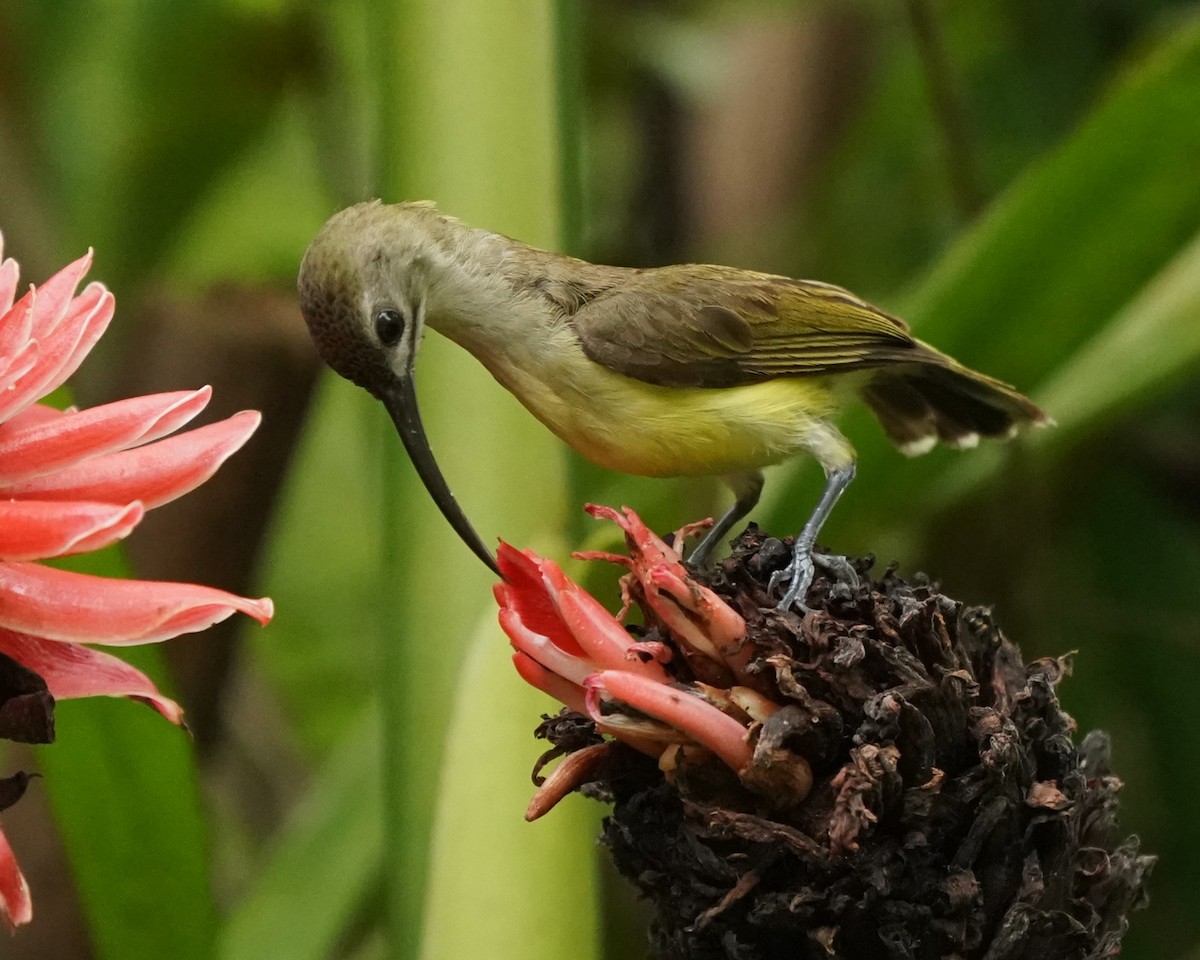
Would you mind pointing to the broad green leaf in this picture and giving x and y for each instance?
(1142, 353)
(1050, 263)
(122, 783)
(469, 119)
(1072, 241)
(324, 863)
(501, 887)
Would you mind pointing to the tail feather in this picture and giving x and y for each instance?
(919, 404)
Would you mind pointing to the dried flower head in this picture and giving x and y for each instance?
(882, 778)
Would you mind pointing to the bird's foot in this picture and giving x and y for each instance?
(799, 573)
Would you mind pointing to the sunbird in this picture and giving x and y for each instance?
(668, 371)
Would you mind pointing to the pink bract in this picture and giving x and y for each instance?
(77, 480)
(569, 646)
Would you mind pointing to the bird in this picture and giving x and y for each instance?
(682, 370)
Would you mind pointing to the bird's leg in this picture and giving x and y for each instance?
(799, 573)
(747, 487)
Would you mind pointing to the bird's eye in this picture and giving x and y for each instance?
(389, 326)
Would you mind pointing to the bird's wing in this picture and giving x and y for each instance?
(722, 327)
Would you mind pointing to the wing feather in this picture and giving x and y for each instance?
(713, 326)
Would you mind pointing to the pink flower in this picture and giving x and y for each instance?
(567, 645)
(78, 480)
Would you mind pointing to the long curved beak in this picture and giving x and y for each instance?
(401, 403)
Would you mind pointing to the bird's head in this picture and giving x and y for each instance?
(363, 285)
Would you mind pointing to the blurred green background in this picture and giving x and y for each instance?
(1020, 180)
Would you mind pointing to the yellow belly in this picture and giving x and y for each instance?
(634, 427)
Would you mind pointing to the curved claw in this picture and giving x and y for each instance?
(798, 575)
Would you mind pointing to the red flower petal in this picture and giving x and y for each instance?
(540, 648)
(72, 671)
(15, 323)
(53, 298)
(641, 539)
(32, 529)
(701, 721)
(154, 473)
(692, 612)
(32, 451)
(15, 903)
(61, 349)
(60, 605)
(597, 631)
(564, 691)
(573, 697)
(549, 603)
(525, 593)
(34, 414)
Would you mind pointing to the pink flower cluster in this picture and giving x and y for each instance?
(73, 481)
(569, 646)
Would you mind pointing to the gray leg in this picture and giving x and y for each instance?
(747, 487)
(799, 573)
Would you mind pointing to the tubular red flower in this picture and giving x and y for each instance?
(556, 622)
(575, 769)
(550, 683)
(692, 612)
(677, 708)
(597, 630)
(524, 594)
(78, 480)
(570, 647)
(542, 650)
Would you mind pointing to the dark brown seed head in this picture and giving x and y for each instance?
(952, 813)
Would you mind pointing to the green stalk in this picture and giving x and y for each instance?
(569, 110)
(467, 118)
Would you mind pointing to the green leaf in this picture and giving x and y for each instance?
(1074, 239)
(469, 118)
(122, 783)
(204, 79)
(501, 887)
(1146, 350)
(468, 111)
(321, 569)
(323, 864)
(1063, 252)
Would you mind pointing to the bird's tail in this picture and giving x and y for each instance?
(938, 398)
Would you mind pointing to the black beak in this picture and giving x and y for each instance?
(401, 402)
